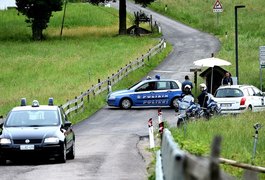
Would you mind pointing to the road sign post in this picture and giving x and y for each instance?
(217, 8)
(261, 62)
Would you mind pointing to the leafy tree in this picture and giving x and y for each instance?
(38, 14)
(122, 11)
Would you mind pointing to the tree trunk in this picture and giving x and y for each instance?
(122, 17)
(36, 33)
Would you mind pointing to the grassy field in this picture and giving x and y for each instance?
(62, 67)
(237, 131)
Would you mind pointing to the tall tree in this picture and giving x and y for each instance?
(38, 14)
(122, 12)
(122, 17)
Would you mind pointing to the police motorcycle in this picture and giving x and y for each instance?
(184, 104)
(213, 108)
(195, 111)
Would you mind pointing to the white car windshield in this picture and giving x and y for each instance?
(27, 118)
(229, 92)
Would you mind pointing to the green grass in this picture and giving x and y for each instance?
(251, 30)
(62, 68)
(237, 138)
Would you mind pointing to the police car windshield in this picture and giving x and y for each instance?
(34, 118)
(134, 85)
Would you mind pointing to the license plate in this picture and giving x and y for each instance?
(26, 147)
(226, 105)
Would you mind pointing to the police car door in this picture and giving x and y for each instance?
(145, 94)
(163, 93)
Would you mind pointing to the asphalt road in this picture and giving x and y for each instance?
(111, 145)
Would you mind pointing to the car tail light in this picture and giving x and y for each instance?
(242, 101)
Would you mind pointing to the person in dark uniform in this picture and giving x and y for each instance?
(203, 97)
(227, 80)
(186, 82)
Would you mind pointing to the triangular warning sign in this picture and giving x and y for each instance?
(217, 5)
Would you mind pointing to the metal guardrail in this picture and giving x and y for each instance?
(173, 163)
(78, 102)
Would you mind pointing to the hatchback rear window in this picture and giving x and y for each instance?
(220, 93)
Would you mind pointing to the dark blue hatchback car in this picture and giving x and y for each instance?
(149, 92)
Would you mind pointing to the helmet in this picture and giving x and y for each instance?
(187, 87)
(203, 86)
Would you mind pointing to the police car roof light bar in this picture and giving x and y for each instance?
(50, 102)
(157, 77)
(23, 102)
(35, 103)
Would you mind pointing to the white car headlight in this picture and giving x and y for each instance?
(5, 141)
(51, 140)
(111, 97)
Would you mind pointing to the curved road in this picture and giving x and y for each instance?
(111, 145)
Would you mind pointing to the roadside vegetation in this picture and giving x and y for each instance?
(237, 131)
(251, 30)
(62, 68)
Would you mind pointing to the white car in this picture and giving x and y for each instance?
(239, 98)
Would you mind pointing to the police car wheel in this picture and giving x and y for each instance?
(174, 103)
(126, 103)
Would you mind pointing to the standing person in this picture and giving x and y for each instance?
(186, 82)
(227, 80)
(203, 97)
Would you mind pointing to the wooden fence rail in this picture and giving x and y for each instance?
(77, 104)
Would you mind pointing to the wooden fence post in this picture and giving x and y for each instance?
(68, 106)
(93, 90)
(99, 87)
(76, 104)
(82, 100)
(118, 73)
(214, 159)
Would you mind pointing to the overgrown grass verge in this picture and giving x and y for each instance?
(237, 138)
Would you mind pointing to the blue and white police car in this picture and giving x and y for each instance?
(149, 92)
